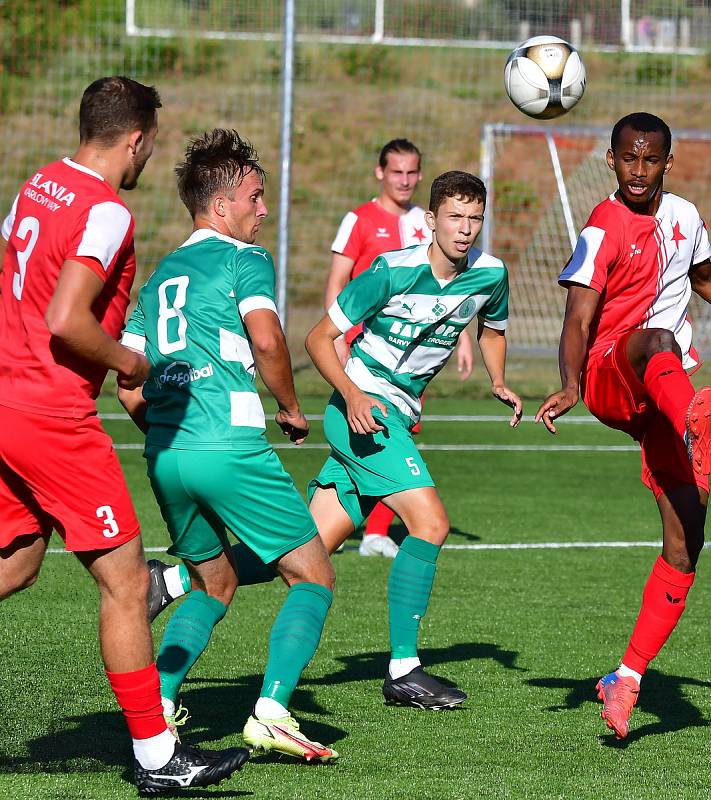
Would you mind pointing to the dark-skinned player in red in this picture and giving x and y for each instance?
(626, 350)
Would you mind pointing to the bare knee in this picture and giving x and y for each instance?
(322, 574)
(127, 588)
(20, 563)
(660, 340)
(12, 583)
(216, 578)
(435, 529)
(308, 564)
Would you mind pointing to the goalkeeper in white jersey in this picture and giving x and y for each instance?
(414, 304)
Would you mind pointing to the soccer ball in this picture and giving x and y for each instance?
(544, 77)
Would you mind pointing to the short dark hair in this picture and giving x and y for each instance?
(398, 146)
(462, 185)
(644, 123)
(214, 162)
(113, 106)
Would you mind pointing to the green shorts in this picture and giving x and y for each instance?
(203, 494)
(365, 468)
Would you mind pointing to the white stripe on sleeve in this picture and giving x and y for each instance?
(134, 341)
(255, 303)
(581, 267)
(495, 324)
(338, 318)
(9, 221)
(105, 230)
(344, 232)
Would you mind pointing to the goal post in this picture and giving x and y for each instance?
(543, 182)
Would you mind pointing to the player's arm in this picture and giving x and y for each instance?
(320, 344)
(134, 337)
(135, 404)
(465, 355)
(70, 320)
(338, 277)
(272, 359)
(492, 343)
(700, 276)
(580, 309)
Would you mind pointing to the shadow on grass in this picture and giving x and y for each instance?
(398, 532)
(661, 695)
(372, 666)
(96, 743)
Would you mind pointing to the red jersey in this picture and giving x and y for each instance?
(640, 265)
(370, 230)
(64, 211)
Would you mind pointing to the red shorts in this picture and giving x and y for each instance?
(64, 474)
(614, 394)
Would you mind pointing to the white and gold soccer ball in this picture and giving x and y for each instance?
(544, 77)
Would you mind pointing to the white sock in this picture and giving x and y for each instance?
(156, 751)
(626, 672)
(401, 666)
(168, 707)
(266, 708)
(173, 583)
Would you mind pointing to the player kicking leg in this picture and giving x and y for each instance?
(626, 346)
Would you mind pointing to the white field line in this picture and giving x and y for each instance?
(521, 448)
(511, 546)
(573, 420)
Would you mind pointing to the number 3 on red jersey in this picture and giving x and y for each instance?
(28, 232)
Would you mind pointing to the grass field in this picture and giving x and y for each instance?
(526, 631)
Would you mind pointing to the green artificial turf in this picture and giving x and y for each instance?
(526, 632)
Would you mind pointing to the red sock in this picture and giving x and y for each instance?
(138, 694)
(379, 521)
(663, 602)
(670, 388)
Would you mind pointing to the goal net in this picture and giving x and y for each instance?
(543, 183)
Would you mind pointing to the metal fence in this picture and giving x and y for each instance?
(364, 71)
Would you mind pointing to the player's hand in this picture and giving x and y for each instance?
(465, 356)
(555, 406)
(137, 374)
(505, 394)
(343, 351)
(359, 411)
(293, 424)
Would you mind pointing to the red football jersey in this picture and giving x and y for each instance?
(370, 231)
(640, 265)
(64, 211)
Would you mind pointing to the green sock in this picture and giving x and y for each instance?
(294, 638)
(185, 637)
(409, 589)
(250, 568)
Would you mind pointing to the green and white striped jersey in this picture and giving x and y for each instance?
(412, 320)
(201, 392)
